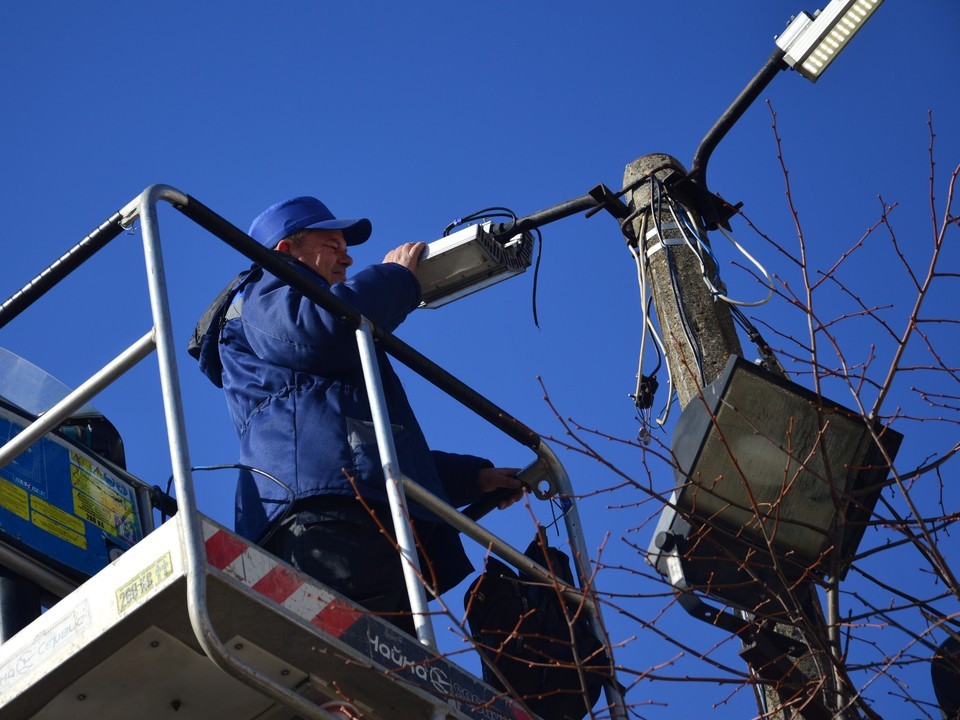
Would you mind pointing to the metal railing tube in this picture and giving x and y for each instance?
(485, 538)
(580, 596)
(391, 474)
(571, 516)
(581, 560)
(49, 580)
(426, 368)
(188, 517)
(54, 417)
(68, 262)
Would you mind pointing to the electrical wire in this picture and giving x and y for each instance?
(249, 468)
(756, 264)
(561, 505)
(657, 192)
(504, 212)
(647, 384)
(702, 247)
(718, 290)
(490, 212)
(687, 226)
(685, 223)
(768, 358)
(536, 277)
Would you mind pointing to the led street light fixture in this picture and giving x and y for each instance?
(469, 260)
(811, 44)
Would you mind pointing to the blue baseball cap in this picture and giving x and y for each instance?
(284, 218)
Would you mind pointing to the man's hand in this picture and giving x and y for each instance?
(491, 479)
(407, 255)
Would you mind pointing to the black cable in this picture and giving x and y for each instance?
(656, 346)
(555, 506)
(717, 283)
(648, 385)
(656, 202)
(496, 211)
(249, 468)
(769, 359)
(536, 276)
(505, 231)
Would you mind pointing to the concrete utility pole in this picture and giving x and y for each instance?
(710, 332)
(699, 335)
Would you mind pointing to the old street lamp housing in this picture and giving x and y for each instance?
(773, 483)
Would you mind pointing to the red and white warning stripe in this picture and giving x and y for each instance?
(267, 576)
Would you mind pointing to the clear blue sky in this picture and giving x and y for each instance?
(413, 114)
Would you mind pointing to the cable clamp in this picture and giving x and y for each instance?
(653, 233)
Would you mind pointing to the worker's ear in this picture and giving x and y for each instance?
(284, 247)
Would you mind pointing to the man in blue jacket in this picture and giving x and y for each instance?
(295, 389)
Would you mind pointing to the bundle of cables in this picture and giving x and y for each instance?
(684, 234)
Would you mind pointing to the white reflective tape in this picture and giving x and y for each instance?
(653, 249)
(250, 567)
(653, 233)
(209, 530)
(308, 600)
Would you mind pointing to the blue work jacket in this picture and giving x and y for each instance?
(295, 389)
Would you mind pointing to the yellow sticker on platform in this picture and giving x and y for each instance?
(91, 511)
(45, 523)
(57, 515)
(96, 486)
(145, 583)
(15, 499)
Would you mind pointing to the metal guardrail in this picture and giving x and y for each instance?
(161, 339)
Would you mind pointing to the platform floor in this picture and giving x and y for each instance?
(122, 646)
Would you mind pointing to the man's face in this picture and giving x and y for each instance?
(324, 251)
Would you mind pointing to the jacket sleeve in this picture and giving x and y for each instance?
(458, 475)
(287, 329)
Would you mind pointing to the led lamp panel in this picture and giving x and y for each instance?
(811, 45)
(778, 466)
(467, 261)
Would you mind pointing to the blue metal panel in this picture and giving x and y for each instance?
(62, 506)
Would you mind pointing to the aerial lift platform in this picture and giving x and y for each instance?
(122, 645)
(189, 620)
